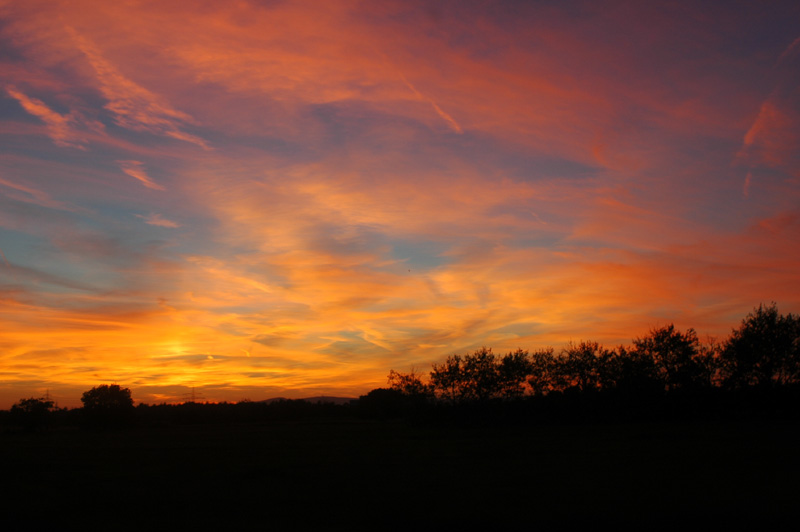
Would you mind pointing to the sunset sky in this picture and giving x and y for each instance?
(281, 198)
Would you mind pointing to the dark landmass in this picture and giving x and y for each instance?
(351, 473)
(316, 399)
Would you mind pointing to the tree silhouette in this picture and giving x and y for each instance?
(447, 379)
(545, 375)
(32, 413)
(481, 376)
(674, 355)
(107, 405)
(666, 371)
(512, 374)
(764, 351)
(383, 403)
(581, 363)
(410, 384)
(629, 371)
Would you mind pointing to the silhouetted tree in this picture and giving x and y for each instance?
(512, 374)
(447, 379)
(481, 376)
(580, 365)
(545, 375)
(764, 351)
(32, 413)
(710, 365)
(107, 405)
(383, 403)
(631, 371)
(410, 384)
(609, 368)
(674, 356)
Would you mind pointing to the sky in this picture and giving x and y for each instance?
(253, 199)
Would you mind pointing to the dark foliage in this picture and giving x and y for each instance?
(665, 374)
(33, 413)
(764, 351)
(107, 406)
(244, 412)
(481, 376)
(384, 403)
(675, 357)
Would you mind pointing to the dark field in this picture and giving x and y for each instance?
(386, 475)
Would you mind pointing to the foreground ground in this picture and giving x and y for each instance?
(345, 475)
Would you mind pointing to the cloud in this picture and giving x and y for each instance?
(135, 107)
(135, 169)
(748, 182)
(773, 136)
(789, 51)
(446, 117)
(30, 194)
(5, 260)
(63, 129)
(157, 220)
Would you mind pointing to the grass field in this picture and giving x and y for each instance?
(345, 475)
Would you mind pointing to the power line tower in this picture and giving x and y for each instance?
(191, 396)
(48, 398)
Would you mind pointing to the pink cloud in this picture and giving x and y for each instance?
(135, 170)
(132, 105)
(158, 220)
(63, 129)
(30, 194)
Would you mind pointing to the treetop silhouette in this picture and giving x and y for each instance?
(107, 405)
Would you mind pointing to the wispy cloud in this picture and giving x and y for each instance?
(136, 170)
(63, 129)
(5, 260)
(134, 106)
(789, 51)
(157, 220)
(30, 194)
(446, 117)
(772, 139)
(748, 182)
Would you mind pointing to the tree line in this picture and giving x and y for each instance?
(761, 357)
(112, 407)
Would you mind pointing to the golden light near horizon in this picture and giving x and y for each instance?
(293, 198)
